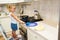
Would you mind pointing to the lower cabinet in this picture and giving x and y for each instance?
(34, 36)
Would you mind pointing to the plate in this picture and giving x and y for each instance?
(30, 24)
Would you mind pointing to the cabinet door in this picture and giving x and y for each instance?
(27, 0)
(10, 1)
(29, 35)
(5, 22)
(34, 36)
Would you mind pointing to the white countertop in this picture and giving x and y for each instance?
(4, 16)
(49, 32)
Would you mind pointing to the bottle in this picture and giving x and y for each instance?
(35, 16)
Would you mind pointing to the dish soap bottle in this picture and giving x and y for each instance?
(35, 16)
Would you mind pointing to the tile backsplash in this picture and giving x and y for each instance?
(49, 10)
(30, 8)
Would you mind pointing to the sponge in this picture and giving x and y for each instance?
(39, 28)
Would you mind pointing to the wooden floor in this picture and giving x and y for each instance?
(1, 38)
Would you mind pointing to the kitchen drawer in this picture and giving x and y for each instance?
(34, 36)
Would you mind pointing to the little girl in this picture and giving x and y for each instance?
(14, 20)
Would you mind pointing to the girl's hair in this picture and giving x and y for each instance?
(9, 6)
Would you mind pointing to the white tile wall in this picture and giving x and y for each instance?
(49, 10)
(49, 7)
(30, 8)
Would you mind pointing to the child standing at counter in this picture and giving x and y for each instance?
(14, 19)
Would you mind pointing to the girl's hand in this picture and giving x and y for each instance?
(22, 22)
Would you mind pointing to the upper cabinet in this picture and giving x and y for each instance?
(28, 0)
(14, 1)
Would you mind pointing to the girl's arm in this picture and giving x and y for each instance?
(15, 17)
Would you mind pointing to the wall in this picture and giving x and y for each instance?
(4, 8)
(29, 9)
(49, 10)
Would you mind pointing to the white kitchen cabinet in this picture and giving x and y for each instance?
(34, 36)
(5, 22)
(13, 1)
(29, 0)
(10, 1)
